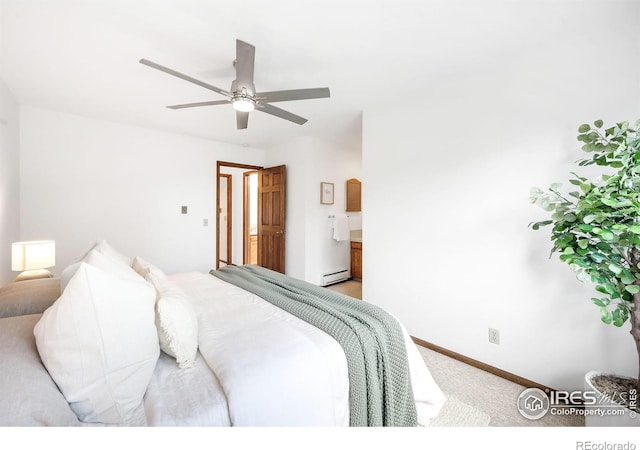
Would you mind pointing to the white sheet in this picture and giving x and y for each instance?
(185, 397)
(275, 369)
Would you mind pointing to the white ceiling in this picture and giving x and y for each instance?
(81, 56)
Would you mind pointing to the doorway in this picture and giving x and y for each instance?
(258, 195)
(234, 215)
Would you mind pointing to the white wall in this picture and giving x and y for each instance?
(452, 176)
(9, 180)
(84, 179)
(310, 249)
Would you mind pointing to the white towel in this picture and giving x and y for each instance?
(341, 230)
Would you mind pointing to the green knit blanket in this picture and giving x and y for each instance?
(379, 382)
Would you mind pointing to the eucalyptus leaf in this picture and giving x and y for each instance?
(608, 236)
(601, 302)
(606, 316)
(627, 277)
(555, 187)
(535, 191)
(632, 288)
(615, 268)
(583, 276)
(601, 289)
(584, 128)
(617, 317)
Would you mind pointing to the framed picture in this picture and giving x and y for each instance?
(326, 193)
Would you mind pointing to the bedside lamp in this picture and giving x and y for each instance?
(33, 257)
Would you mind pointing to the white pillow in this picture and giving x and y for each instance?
(144, 268)
(101, 247)
(67, 274)
(101, 260)
(100, 344)
(104, 248)
(111, 265)
(176, 321)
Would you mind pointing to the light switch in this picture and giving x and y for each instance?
(205, 222)
(184, 210)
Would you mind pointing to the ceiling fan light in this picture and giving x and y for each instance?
(244, 104)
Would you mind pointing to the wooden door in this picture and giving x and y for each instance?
(271, 218)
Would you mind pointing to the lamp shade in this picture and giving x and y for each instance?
(30, 255)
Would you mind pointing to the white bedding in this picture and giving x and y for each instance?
(273, 369)
(185, 397)
(256, 366)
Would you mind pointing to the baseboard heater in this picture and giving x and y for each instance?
(334, 277)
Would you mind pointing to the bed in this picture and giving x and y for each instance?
(116, 342)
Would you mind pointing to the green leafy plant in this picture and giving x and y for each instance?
(596, 226)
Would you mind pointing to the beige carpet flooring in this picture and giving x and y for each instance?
(465, 385)
(350, 287)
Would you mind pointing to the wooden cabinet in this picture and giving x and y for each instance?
(354, 195)
(356, 260)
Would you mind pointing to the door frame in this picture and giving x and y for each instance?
(219, 165)
(229, 178)
(246, 196)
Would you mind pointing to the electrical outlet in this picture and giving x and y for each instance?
(183, 210)
(494, 336)
(205, 222)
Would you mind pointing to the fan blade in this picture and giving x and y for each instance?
(245, 58)
(294, 94)
(146, 62)
(191, 105)
(274, 111)
(242, 119)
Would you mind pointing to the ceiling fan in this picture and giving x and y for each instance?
(242, 95)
